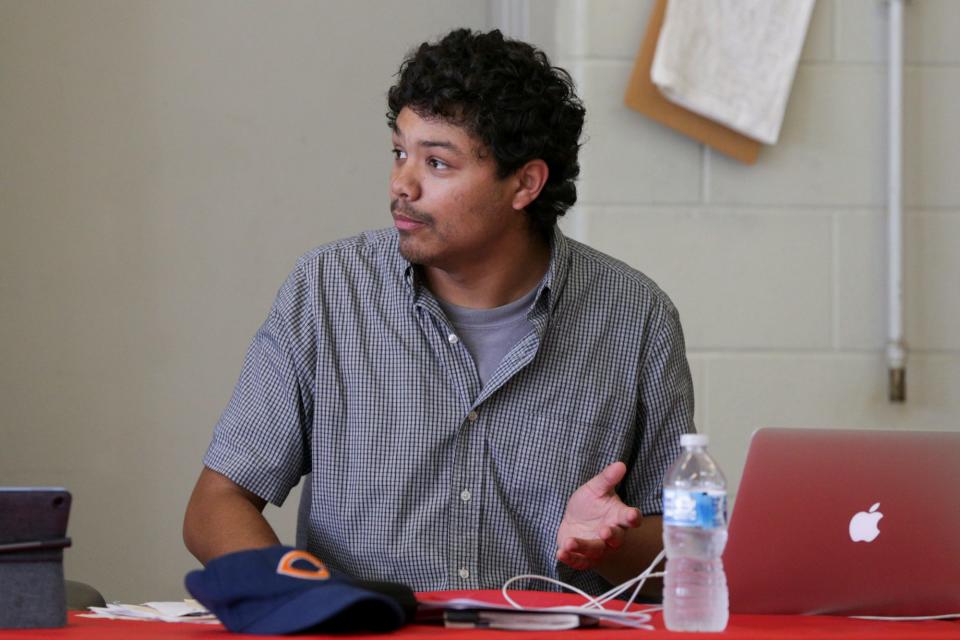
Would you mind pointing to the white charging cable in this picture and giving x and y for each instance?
(944, 616)
(640, 618)
(594, 607)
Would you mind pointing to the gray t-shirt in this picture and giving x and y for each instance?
(490, 334)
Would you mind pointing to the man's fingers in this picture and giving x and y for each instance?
(596, 511)
(590, 549)
(629, 517)
(608, 479)
(580, 554)
(612, 536)
(575, 560)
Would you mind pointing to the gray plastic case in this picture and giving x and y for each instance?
(33, 528)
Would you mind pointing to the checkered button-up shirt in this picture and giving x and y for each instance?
(417, 474)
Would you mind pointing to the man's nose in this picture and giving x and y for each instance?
(404, 183)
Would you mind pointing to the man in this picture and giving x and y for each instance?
(473, 395)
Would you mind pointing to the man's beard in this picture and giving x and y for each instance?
(407, 247)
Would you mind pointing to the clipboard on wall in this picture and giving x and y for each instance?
(643, 96)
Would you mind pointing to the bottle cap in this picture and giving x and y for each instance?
(694, 440)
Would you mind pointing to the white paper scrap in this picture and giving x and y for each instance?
(185, 611)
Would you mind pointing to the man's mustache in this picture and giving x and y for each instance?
(407, 211)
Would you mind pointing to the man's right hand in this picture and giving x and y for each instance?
(223, 517)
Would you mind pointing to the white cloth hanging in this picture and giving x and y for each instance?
(732, 61)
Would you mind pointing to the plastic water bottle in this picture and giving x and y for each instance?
(695, 594)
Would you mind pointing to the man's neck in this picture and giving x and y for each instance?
(493, 282)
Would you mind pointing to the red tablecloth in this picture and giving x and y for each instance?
(741, 626)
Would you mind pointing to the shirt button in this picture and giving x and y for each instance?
(464, 573)
(453, 339)
(465, 495)
(472, 416)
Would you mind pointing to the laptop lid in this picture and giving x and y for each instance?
(851, 522)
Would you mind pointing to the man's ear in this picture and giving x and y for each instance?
(530, 180)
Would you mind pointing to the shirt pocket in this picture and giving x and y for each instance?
(549, 458)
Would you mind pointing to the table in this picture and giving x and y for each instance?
(741, 626)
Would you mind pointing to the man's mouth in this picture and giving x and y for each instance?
(403, 223)
(405, 220)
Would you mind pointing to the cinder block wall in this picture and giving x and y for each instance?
(779, 269)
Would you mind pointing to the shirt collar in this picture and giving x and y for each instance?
(550, 287)
(557, 271)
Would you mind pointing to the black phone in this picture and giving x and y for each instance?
(33, 518)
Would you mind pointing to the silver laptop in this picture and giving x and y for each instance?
(850, 522)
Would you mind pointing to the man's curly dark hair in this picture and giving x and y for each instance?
(507, 94)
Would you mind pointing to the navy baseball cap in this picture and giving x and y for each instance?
(279, 590)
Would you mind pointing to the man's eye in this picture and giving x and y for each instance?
(436, 163)
(398, 154)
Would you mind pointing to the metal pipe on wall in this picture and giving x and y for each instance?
(896, 345)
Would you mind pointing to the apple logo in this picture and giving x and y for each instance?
(863, 525)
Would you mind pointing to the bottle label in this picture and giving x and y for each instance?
(700, 509)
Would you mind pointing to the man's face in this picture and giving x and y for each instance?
(447, 202)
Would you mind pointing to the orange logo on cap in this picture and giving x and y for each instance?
(285, 567)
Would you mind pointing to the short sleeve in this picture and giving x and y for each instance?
(262, 439)
(665, 412)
